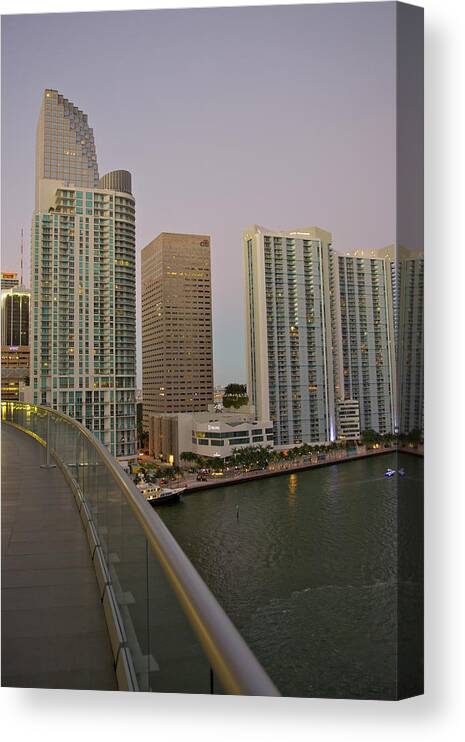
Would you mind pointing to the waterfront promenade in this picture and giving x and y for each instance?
(286, 467)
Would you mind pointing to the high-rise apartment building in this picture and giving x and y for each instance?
(83, 281)
(348, 414)
(368, 342)
(293, 332)
(177, 352)
(408, 270)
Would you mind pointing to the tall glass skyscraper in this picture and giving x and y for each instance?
(65, 147)
(82, 280)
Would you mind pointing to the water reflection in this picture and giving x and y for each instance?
(310, 572)
(292, 490)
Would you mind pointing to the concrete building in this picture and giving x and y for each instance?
(368, 343)
(83, 281)
(15, 306)
(408, 278)
(177, 352)
(209, 434)
(293, 332)
(9, 280)
(348, 419)
(326, 332)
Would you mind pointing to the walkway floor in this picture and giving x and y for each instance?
(54, 633)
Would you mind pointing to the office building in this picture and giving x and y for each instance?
(9, 280)
(83, 281)
(15, 317)
(65, 148)
(293, 332)
(177, 352)
(15, 304)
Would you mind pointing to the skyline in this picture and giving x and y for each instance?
(192, 167)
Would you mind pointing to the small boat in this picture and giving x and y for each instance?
(156, 495)
(402, 472)
(389, 472)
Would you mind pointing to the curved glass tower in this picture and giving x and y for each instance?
(83, 280)
(65, 148)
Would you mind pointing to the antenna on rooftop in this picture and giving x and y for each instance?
(22, 251)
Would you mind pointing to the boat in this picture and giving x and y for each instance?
(389, 472)
(156, 495)
(402, 472)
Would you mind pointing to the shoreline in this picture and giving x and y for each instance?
(244, 478)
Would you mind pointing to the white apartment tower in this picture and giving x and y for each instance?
(83, 333)
(293, 332)
(408, 277)
(368, 342)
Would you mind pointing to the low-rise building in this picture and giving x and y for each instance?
(212, 433)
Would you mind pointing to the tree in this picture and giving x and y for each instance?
(235, 395)
(252, 457)
(371, 436)
(189, 456)
(168, 472)
(216, 463)
(143, 438)
(139, 422)
(415, 436)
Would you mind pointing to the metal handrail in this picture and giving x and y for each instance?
(231, 659)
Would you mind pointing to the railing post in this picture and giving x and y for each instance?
(48, 459)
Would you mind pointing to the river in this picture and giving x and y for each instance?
(309, 572)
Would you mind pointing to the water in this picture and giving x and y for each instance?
(308, 573)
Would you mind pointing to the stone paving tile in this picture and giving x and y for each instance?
(53, 628)
(70, 680)
(37, 534)
(45, 596)
(58, 621)
(37, 577)
(52, 654)
(57, 547)
(46, 561)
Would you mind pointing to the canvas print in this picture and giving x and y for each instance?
(212, 351)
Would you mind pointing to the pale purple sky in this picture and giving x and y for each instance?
(282, 116)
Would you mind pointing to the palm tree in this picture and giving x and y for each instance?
(143, 438)
(188, 456)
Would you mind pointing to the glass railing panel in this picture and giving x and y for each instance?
(64, 443)
(146, 571)
(127, 563)
(178, 662)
